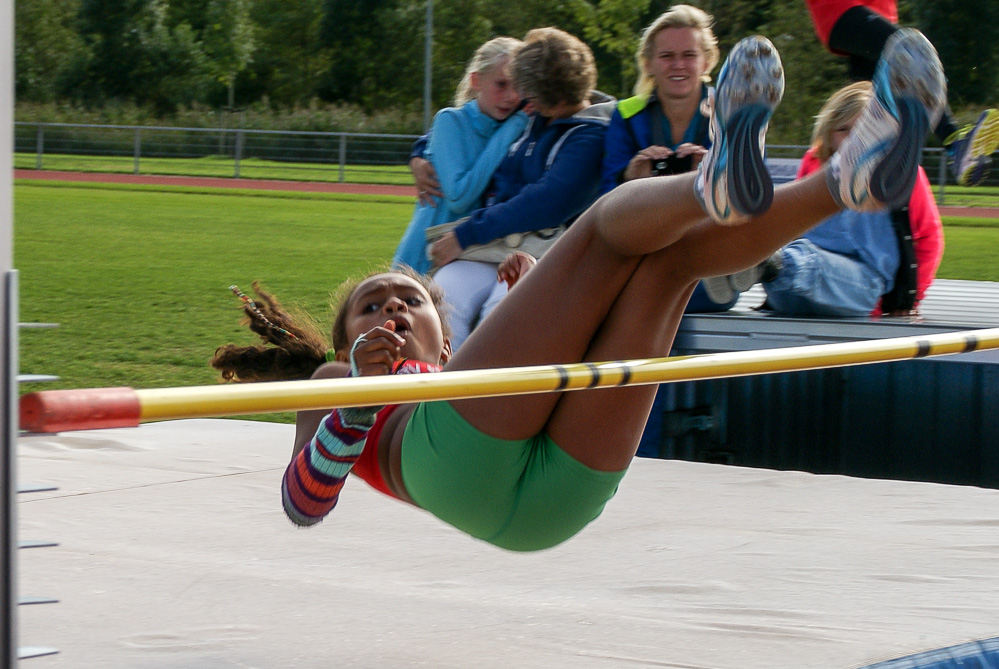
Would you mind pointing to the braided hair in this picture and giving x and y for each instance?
(293, 346)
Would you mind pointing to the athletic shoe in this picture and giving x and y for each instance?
(969, 148)
(733, 183)
(723, 289)
(875, 167)
(718, 289)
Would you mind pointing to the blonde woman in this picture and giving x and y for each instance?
(661, 129)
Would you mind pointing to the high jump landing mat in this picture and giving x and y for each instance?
(173, 551)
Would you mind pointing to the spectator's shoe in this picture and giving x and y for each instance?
(718, 289)
(875, 167)
(724, 289)
(969, 148)
(733, 183)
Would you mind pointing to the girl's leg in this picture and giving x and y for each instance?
(588, 301)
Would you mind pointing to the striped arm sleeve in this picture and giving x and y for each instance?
(312, 482)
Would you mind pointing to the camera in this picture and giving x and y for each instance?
(672, 165)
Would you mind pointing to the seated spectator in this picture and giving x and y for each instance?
(847, 264)
(550, 175)
(662, 130)
(467, 143)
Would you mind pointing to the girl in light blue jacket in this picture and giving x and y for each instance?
(467, 143)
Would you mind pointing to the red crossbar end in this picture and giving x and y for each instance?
(83, 409)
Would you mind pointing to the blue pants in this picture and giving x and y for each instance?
(816, 282)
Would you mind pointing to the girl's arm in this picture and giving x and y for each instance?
(312, 481)
(463, 183)
(307, 422)
(567, 188)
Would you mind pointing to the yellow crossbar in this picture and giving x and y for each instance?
(59, 410)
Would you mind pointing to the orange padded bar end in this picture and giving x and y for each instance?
(83, 409)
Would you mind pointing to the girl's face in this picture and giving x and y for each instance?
(494, 91)
(839, 133)
(677, 62)
(404, 301)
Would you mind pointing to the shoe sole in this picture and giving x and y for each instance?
(893, 179)
(752, 83)
(750, 188)
(912, 67)
(984, 140)
(746, 279)
(718, 289)
(909, 87)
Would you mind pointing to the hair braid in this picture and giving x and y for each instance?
(293, 347)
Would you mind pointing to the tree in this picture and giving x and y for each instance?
(229, 42)
(615, 26)
(135, 54)
(290, 59)
(110, 30)
(170, 67)
(966, 34)
(46, 45)
(368, 43)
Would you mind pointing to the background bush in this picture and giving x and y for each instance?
(345, 65)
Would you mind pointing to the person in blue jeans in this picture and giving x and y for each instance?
(467, 143)
(662, 129)
(840, 268)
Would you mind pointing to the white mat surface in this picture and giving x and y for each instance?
(174, 552)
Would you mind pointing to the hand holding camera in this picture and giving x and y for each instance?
(672, 165)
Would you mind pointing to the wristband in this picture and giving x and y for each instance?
(354, 371)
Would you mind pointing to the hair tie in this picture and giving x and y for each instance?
(330, 355)
(252, 306)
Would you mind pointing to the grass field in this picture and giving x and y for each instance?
(137, 277)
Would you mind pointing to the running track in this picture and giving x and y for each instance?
(312, 186)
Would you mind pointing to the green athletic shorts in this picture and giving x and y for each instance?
(522, 495)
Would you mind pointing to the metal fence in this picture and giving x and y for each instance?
(278, 154)
(220, 152)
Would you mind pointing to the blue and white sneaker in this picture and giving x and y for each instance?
(733, 183)
(969, 149)
(876, 166)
